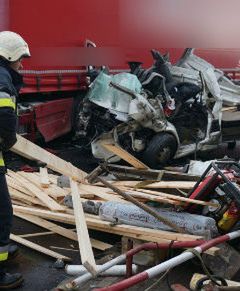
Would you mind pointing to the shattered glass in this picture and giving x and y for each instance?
(104, 95)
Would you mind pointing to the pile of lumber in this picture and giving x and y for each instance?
(37, 199)
(40, 203)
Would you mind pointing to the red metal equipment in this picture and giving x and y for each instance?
(128, 257)
(219, 184)
(156, 270)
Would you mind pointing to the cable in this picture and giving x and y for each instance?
(205, 269)
(158, 281)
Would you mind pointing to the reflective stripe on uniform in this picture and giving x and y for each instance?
(3, 256)
(3, 253)
(7, 102)
(1, 160)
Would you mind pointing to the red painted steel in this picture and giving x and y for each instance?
(26, 125)
(53, 118)
(129, 260)
(52, 83)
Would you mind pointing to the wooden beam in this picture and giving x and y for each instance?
(154, 196)
(44, 180)
(85, 247)
(150, 174)
(40, 194)
(187, 185)
(15, 185)
(31, 151)
(24, 198)
(61, 230)
(96, 223)
(117, 150)
(53, 190)
(100, 192)
(38, 248)
(34, 234)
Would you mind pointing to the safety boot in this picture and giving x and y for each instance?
(10, 281)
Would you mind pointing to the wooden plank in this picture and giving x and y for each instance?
(150, 194)
(148, 197)
(38, 248)
(150, 174)
(44, 180)
(186, 185)
(64, 249)
(117, 150)
(85, 247)
(52, 177)
(31, 151)
(15, 185)
(24, 198)
(41, 195)
(100, 192)
(53, 190)
(43, 233)
(61, 230)
(37, 234)
(96, 223)
(17, 202)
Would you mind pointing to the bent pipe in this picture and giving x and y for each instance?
(81, 280)
(156, 270)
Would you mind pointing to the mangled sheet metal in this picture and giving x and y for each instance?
(160, 113)
(188, 68)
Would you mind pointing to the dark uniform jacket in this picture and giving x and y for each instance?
(10, 84)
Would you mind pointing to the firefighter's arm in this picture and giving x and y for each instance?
(8, 128)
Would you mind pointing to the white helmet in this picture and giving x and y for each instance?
(13, 46)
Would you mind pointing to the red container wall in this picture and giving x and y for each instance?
(67, 23)
(64, 23)
(4, 15)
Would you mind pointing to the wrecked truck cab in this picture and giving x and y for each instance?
(124, 97)
(154, 117)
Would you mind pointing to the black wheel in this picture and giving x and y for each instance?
(160, 150)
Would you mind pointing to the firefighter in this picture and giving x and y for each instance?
(12, 50)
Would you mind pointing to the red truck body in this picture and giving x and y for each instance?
(51, 86)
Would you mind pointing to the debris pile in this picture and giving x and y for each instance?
(40, 205)
(164, 210)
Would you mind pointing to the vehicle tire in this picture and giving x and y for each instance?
(160, 150)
